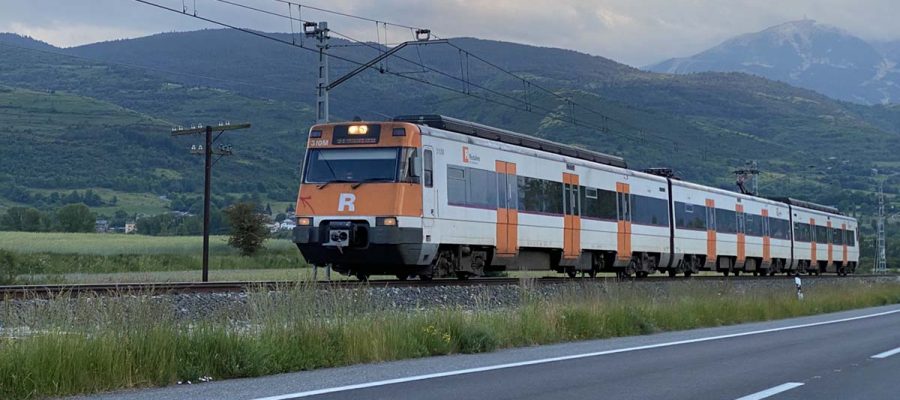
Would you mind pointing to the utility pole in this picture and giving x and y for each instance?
(749, 172)
(207, 150)
(320, 33)
(880, 253)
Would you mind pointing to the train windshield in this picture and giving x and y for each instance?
(352, 165)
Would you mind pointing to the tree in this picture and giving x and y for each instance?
(76, 218)
(248, 228)
(21, 219)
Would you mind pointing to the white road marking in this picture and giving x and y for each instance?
(887, 353)
(561, 358)
(771, 391)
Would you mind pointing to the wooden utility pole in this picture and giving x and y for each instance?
(208, 151)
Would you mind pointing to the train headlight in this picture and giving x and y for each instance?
(315, 133)
(386, 221)
(358, 129)
(304, 221)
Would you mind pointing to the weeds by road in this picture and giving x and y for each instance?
(83, 345)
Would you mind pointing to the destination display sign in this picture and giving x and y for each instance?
(356, 134)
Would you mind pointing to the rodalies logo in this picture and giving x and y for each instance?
(347, 202)
(469, 156)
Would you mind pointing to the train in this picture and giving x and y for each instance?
(431, 196)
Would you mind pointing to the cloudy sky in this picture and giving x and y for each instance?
(636, 32)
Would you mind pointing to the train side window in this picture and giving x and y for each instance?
(851, 238)
(689, 216)
(428, 170)
(821, 234)
(456, 186)
(837, 236)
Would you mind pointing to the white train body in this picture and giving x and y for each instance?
(496, 200)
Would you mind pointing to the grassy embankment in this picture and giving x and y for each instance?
(86, 257)
(90, 345)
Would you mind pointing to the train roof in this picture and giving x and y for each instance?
(807, 204)
(515, 138)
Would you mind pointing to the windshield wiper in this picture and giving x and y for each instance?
(333, 181)
(360, 183)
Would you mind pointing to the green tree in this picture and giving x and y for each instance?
(76, 218)
(21, 219)
(248, 228)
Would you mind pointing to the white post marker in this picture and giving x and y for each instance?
(772, 391)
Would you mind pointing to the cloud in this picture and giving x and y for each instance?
(635, 32)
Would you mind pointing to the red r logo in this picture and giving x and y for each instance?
(465, 154)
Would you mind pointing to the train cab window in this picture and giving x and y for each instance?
(428, 170)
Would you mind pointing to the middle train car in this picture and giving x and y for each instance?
(464, 199)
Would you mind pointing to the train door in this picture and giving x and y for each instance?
(507, 209)
(623, 215)
(711, 234)
(430, 209)
(572, 216)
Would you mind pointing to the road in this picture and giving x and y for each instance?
(820, 357)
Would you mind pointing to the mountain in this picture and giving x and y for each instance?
(702, 125)
(804, 54)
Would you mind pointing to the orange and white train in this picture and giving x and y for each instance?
(432, 196)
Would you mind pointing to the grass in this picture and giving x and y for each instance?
(89, 345)
(53, 257)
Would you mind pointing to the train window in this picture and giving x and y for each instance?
(482, 190)
(726, 221)
(779, 229)
(741, 228)
(821, 234)
(837, 236)
(624, 206)
(649, 211)
(851, 238)
(540, 196)
(601, 206)
(456, 186)
(802, 232)
(502, 195)
(753, 225)
(428, 170)
(690, 216)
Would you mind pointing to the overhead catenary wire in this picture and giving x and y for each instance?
(517, 103)
(568, 103)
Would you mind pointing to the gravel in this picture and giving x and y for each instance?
(21, 317)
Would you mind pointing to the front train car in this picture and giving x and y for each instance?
(359, 207)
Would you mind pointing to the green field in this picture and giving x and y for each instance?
(91, 257)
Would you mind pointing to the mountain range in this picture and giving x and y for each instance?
(98, 116)
(806, 54)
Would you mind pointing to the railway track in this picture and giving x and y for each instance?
(124, 289)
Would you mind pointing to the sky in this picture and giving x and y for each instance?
(634, 32)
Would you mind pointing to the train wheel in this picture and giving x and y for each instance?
(463, 276)
(572, 273)
(673, 273)
(688, 273)
(402, 277)
(362, 276)
(642, 274)
(755, 273)
(592, 273)
(725, 272)
(425, 277)
(737, 272)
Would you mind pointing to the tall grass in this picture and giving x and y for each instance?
(90, 344)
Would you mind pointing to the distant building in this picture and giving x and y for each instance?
(101, 226)
(130, 227)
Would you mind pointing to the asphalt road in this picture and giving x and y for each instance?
(820, 357)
